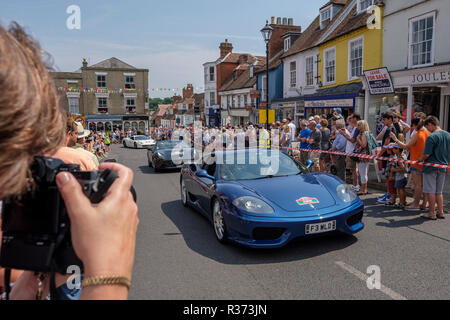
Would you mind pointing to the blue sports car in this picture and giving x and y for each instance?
(265, 199)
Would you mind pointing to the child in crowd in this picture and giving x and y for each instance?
(399, 173)
(390, 182)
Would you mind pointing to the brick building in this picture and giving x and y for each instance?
(107, 95)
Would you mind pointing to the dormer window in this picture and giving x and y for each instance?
(252, 69)
(325, 17)
(363, 5)
(287, 44)
(235, 74)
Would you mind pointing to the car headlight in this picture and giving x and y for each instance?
(252, 204)
(345, 193)
(159, 155)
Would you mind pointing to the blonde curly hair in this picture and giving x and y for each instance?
(32, 121)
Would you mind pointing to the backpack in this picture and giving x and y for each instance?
(371, 142)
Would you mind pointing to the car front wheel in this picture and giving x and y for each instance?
(219, 223)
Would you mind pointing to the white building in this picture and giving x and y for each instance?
(416, 51)
(210, 73)
(236, 95)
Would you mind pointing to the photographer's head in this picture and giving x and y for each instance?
(32, 122)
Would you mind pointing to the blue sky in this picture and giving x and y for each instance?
(172, 38)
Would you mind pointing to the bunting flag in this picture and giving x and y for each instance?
(121, 90)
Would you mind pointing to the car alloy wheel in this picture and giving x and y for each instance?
(184, 196)
(219, 222)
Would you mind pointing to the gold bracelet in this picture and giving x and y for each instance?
(106, 280)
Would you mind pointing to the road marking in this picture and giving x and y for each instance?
(389, 292)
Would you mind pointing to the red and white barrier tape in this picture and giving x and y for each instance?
(372, 157)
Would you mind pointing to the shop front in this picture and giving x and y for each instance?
(326, 104)
(104, 122)
(239, 117)
(137, 123)
(424, 90)
(113, 122)
(349, 98)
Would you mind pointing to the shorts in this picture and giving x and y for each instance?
(433, 183)
(315, 156)
(350, 164)
(401, 184)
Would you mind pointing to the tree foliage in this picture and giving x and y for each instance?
(153, 102)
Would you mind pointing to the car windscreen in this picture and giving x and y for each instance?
(140, 138)
(259, 166)
(171, 145)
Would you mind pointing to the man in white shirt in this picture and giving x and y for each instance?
(293, 129)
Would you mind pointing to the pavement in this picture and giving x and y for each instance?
(178, 257)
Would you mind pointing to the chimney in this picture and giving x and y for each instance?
(225, 48)
(272, 20)
(85, 64)
(276, 43)
(290, 21)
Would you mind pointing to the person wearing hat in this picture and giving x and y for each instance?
(79, 145)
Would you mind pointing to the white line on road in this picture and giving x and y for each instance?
(389, 292)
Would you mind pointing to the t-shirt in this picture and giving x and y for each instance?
(398, 176)
(351, 146)
(305, 134)
(317, 136)
(293, 130)
(387, 134)
(75, 156)
(325, 142)
(438, 147)
(90, 154)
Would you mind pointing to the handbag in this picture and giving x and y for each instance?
(356, 159)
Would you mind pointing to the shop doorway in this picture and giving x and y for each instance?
(446, 121)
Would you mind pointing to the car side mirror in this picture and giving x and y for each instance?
(204, 174)
(309, 164)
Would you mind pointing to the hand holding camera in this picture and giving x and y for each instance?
(103, 235)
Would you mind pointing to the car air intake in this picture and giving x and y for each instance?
(267, 233)
(354, 219)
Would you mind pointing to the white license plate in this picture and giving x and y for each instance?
(320, 227)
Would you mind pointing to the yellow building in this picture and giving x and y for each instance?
(350, 45)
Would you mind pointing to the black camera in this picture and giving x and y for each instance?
(36, 226)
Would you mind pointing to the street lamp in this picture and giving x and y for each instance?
(267, 34)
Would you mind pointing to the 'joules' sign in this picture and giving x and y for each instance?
(431, 77)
